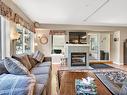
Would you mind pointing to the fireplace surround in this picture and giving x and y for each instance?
(79, 52)
(78, 59)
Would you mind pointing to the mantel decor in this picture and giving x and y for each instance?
(11, 15)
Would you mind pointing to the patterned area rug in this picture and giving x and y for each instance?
(115, 81)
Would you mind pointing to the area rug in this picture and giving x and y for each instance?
(100, 66)
(115, 81)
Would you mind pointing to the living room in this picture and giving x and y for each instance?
(60, 48)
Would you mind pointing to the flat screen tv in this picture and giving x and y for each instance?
(77, 38)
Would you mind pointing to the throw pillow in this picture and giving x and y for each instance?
(33, 62)
(14, 66)
(16, 85)
(2, 67)
(38, 56)
(24, 60)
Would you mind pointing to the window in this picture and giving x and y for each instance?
(19, 42)
(58, 44)
(24, 43)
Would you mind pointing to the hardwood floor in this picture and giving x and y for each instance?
(101, 62)
(56, 67)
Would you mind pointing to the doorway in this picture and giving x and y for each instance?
(99, 46)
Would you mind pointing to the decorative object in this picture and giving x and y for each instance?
(116, 39)
(86, 86)
(43, 40)
(57, 32)
(36, 24)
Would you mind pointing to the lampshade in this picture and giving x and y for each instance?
(14, 35)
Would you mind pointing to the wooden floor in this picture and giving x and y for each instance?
(101, 62)
(56, 67)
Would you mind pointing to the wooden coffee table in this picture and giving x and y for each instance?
(67, 84)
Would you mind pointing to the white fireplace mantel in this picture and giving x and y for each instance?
(69, 48)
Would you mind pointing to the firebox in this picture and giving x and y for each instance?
(78, 59)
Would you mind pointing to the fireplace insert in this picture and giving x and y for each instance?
(78, 59)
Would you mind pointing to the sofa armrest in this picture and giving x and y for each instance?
(47, 59)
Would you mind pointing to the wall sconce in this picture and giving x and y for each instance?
(15, 35)
(39, 36)
(35, 44)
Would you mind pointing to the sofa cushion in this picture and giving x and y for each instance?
(38, 56)
(40, 70)
(33, 62)
(2, 67)
(44, 64)
(42, 79)
(24, 60)
(14, 66)
(16, 85)
(39, 88)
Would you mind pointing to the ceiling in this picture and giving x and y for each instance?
(76, 12)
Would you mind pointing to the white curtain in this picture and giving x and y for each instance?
(5, 37)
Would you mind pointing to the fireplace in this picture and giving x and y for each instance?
(78, 59)
(77, 55)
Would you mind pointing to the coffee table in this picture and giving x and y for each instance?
(67, 84)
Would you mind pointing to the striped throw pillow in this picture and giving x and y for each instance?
(38, 56)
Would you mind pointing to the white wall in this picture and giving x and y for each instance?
(46, 49)
(117, 47)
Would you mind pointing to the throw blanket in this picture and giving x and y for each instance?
(16, 85)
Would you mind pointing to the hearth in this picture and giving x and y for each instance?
(78, 59)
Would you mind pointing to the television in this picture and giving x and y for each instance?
(77, 38)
